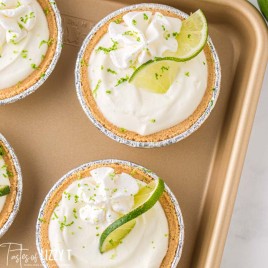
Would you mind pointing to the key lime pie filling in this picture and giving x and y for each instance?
(87, 202)
(29, 43)
(10, 185)
(158, 106)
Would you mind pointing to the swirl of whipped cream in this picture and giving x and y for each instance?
(17, 18)
(142, 37)
(108, 196)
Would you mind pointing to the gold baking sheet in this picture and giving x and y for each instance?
(51, 134)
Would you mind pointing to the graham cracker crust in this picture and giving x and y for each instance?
(36, 74)
(166, 203)
(11, 197)
(126, 134)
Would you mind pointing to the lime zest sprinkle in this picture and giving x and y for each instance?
(42, 220)
(164, 68)
(152, 120)
(4, 190)
(46, 11)
(67, 195)
(34, 66)
(76, 198)
(24, 53)
(109, 70)
(19, 84)
(48, 42)
(133, 172)
(132, 34)
(83, 63)
(24, 19)
(145, 17)
(118, 21)
(64, 223)
(109, 49)
(122, 80)
(75, 213)
(187, 74)
(108, 92)
(96, 88)
(2, 151)
(167, 36)
(134, 22)
(9, 174)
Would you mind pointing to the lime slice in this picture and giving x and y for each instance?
(4, 190)
(145, 199)
(155, 76)
(192, 37)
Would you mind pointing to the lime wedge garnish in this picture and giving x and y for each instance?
(157, 75)
(192, 37)
(144, 200)
(4, 190)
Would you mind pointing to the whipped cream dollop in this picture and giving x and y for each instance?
(17, 18)
(4, 180)
(139, 37)
(88, 206)
(110, 196)
(142, 37)
(24, 36)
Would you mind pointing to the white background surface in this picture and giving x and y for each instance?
(247, 242)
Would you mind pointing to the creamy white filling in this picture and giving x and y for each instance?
(87, 207)
(3, 181)
(24, 38)
(132, 108)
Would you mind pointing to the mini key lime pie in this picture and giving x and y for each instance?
(30, 44)
(10, 185)
(148, 75)
(108, 214)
